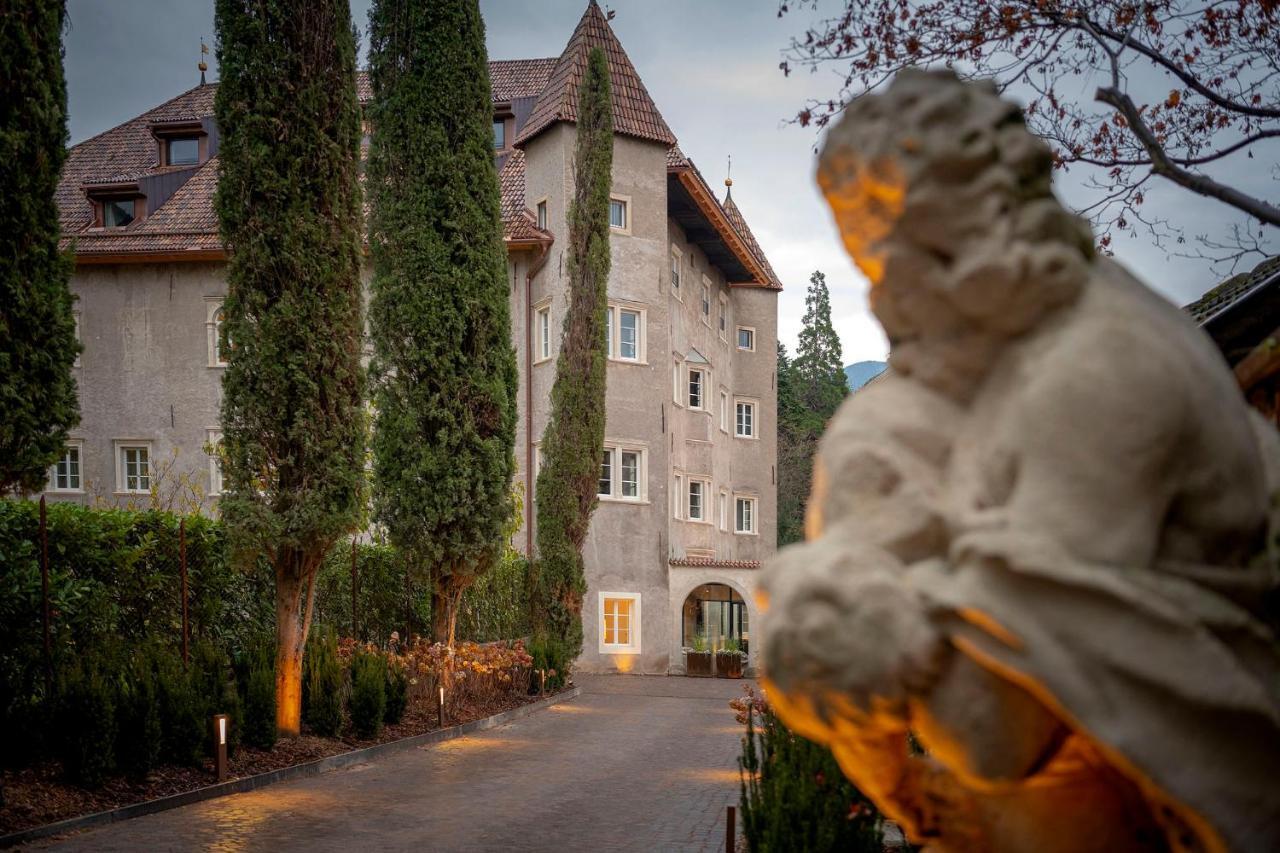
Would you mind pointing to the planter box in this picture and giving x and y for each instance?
(697, 664)
(729, 664)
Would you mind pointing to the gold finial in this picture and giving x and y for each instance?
(202, 65)
(728, 181)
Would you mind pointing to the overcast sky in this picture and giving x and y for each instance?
(712, 68)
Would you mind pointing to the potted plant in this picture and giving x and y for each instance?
(730, 659)
(697, 660)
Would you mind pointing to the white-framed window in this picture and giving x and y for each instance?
(541, 209)
(724, 510)
(542, 325)
(697, 388)
(724, 317)
(213, 444)
(625, 333)
(213, 319)
(623, 472)
(744, 425)
(619, 623)
(65, 475)
(744, 514)
(677, 497)
(677, 383)
(133, 466)
(675, 271)
(699, 494)
(79, 338)
(706, 300)
(724, 411)
(620, 213)
(746, 339)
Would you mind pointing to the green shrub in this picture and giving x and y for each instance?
(496, 606)
(233, 706)
(260, 699)
(368, 694)
(86, 725)
(551, 655)
(323, 683)
(181, 726)
(381, 594)
(139, 734)
(795, 797)
(397, 693)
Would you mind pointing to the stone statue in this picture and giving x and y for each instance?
(1031, 613)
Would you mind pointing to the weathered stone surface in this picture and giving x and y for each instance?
(1038, 542)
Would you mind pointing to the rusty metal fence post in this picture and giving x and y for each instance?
(182, 568)
(44, 595)
(354, 621)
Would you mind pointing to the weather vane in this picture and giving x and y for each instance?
(728, 179)
(202, 65)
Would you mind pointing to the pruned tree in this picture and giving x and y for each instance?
(288, 203)
(38, 346)
(568, 481)
(444, 370)
(1180, 87)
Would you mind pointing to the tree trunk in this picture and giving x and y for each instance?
(293, 622)
(439, 614)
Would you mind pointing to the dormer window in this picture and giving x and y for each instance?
(117, 213)
(499, 134)
(183, 151)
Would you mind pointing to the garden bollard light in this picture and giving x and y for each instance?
(220, 746)
(542, 682)
(730, 835)
(440, 709)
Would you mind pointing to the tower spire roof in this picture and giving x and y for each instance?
(634, 112)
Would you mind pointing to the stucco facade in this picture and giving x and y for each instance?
(150, 377)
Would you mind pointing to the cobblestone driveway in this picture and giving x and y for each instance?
(635, 763)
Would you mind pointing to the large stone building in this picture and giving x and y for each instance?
(687, 479)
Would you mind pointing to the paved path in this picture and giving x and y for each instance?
(639, 763)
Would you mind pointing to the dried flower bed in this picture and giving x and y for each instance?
(483, 681)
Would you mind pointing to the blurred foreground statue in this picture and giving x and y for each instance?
(1039, 542)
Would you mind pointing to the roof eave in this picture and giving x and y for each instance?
(711, 209)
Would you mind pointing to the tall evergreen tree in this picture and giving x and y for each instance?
(288, 202)
(571, 446)
(819, 363)
(444, 371)
(38, 345)
(795, 453)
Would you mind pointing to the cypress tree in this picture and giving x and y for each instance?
(444, 370)
(819, 363)
(37, 327)
(571, 446)
(288, 202)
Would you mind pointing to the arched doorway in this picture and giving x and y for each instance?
(716, 612)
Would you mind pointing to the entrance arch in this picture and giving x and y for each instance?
(718, 613)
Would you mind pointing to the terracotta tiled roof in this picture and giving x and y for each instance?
(676, 158)
(634, 113)
(520, 78)
(739, 224)
(708, 563)
(1234, 289)
(520, 224)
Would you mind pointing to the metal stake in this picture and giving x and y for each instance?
(354, 635)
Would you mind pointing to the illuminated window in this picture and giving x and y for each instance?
(619, 623)
(64, 475)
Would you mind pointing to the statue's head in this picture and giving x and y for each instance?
(943, 198)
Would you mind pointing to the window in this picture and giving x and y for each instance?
(542, 215)
(624, 333)
(698, 491)
(618, 214)
(544, 333)
(184, 152)
(622, 473)
(675, 270)
(744, 515)
(746, 338)
(79, 338)
(724, 411)
(133, 468)
(213, 446)
(724, 317)
(724, 510)
(745, 422)
(706, 300)
(676, 384)
(64, 475)
(214, 317)
(499, 134)
(619, 623)
(117, 213)
(677, 497)
(697, 380)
